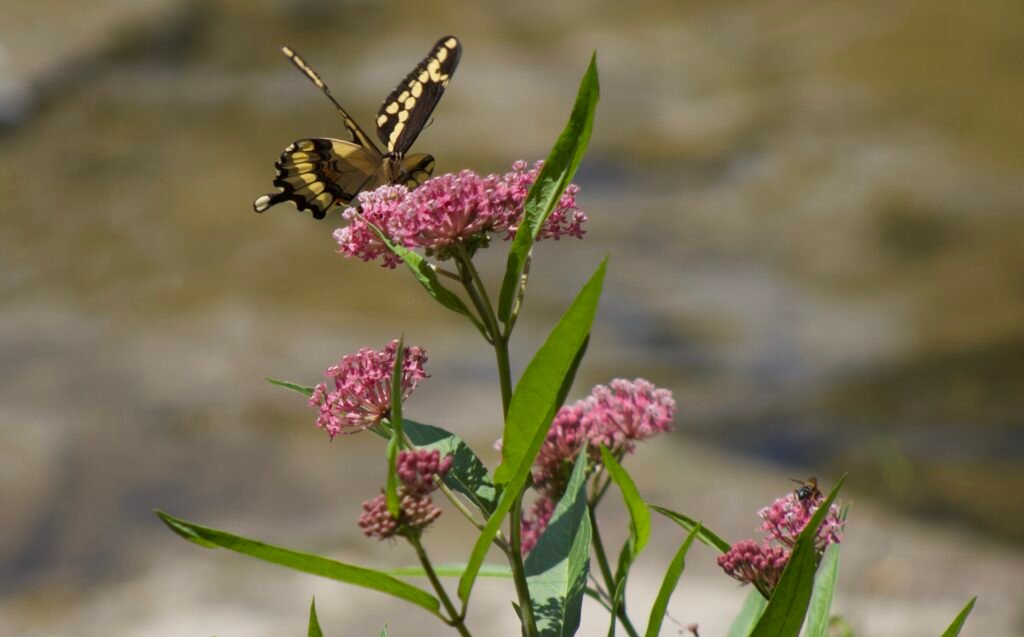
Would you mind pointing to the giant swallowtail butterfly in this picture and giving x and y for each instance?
(319, 173)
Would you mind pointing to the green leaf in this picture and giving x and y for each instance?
(502, 571)
(395, 422)
(314, 623)
(668, 585)
(384, 631)
(958, 623)
(302, 389)
(304, 562)
(752, 609)
(705, 535)
(639, 515)
(824, 591)
(537, 397)
(427, 277)
(639, 526)
(557, 567)
(468, 474)
(785, 612)
(554, 177)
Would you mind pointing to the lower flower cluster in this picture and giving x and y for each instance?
(420, 472)
(617, 415)
(761, 564)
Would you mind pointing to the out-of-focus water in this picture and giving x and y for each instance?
(813, 212)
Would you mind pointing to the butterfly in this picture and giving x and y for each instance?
(321, 172)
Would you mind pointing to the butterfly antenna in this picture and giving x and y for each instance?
(308, 71)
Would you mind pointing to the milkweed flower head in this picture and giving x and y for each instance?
(753, 563)
(617, 415)
(419, 472)
(786, 517)
(448, 211)
(357, 395)
(782, 522)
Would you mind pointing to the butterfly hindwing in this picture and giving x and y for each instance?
(406, 111)
(319, 173)
(417, 169)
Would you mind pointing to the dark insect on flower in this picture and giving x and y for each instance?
(808, 489)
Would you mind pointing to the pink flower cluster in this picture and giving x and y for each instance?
(750, 562)
(360, 396)
(419, 472)
(616, 416)
(782, 521)
(449, 209)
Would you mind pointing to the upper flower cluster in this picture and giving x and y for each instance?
(783, 521)
(419, 471)
(450, 209)
(616, 415)
(361, 393)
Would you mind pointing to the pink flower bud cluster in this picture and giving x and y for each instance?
(616, 416)
(750, 562)
(783, 521)
(419, 472)
(360, 393)
(450, 209)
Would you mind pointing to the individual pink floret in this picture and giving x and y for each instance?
(787, 516)
(358, 394)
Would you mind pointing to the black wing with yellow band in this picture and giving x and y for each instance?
(319, 173)
(407, 110)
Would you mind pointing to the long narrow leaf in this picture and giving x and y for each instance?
(554, 177)
(395, 421)
(537, 397)
(639, 528)
(705, 535)
(668, 585)
(304, 562)
(824, 592)
(501, 571)
(302, 389)
(314, 623)
(639, 515)
(785, 612)
(557, 567)
(468, 474)
(534, 401)
(958, 623)
(747, 618)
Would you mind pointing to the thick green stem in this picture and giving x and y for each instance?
(477, 292)
(454, 620)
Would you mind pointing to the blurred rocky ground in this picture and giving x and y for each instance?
(813, 212)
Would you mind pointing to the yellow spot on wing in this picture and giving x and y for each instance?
(451, 43)
(381, 120)
(392, 108)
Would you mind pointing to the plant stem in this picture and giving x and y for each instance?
(455, 620)
(606, 572)
(477, 292)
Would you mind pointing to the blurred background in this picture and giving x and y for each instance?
(814, 216)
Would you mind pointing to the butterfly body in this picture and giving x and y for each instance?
(319, 173)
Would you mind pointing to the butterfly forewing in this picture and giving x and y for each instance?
(358, 136)
(319, 173)
(406, 111)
